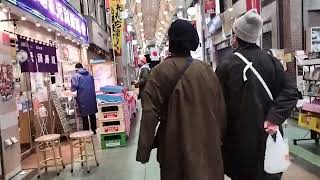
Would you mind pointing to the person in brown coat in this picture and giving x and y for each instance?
(185, 96)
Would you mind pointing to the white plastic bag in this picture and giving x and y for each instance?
(277, 158)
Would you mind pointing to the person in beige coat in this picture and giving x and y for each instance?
(184, 96)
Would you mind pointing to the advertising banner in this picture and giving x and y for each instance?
(59, 13)
(36, 56)
(117, 7)
(7, 93)
(253, 4)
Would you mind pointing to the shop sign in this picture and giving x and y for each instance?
(209, 6)
(253, 4)
(59, 13)
(35, 56)
(117, 24)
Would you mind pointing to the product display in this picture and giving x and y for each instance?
(115, 111)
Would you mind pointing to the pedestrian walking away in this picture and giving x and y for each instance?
(186, 95)
(252, 114)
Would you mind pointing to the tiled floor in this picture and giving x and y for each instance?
(120, 164)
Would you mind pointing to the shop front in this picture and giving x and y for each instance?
(47, 40)
(100, 55)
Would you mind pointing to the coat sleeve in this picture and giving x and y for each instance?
(220, 107)
(149, 121)
(74, 83)
(286, 100)
(144, 75)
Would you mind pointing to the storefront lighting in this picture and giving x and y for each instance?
(49, 29)
(38, 24)
(134, 42)
(5, 10)
(23, 18)
(192, 11)
(129, 28)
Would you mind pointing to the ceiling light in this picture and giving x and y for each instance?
(141, 24)
(129, 28)
(192, 11)
(140, 14)
(58, 34)
(138, 1)
(49, 29)
(78, 43)
(66, 38)
(134, 42)
(165, 12)
(141, 30)
(230, 9)
(5, 10)
(38, 24)
(23, 18)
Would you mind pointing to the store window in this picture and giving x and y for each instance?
(267, 40)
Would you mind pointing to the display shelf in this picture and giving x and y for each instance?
(305, 121)
(311, 62)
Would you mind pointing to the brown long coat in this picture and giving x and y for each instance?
(192, 120)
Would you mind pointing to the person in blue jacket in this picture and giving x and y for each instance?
(83, 83)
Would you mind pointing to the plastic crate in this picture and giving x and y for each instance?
(110, 111)
(113, 140)
(309, 121)
(111, 127)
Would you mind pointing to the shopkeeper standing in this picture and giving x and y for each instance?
(83, 83)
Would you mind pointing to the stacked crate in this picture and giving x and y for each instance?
(111, 121)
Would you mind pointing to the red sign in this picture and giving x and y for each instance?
(111, 129)
(110, 115)
(209, 6)
(107, 5)
(253, 4)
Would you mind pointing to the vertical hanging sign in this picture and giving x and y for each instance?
(253, 4)
(117, 7)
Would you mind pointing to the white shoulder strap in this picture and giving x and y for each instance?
(249, 66)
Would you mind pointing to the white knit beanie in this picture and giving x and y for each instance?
(249, 26)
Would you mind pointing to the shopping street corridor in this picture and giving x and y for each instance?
(120, 164)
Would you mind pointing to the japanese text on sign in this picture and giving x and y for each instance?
(117, 24)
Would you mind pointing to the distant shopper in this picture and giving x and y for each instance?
(83, 83)
(185, 95)
(144, 73)
(252, 115)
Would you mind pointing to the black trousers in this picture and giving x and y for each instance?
(93, 122)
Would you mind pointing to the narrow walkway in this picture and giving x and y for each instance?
(120, 164)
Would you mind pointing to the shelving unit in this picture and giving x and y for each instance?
(307, 119)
